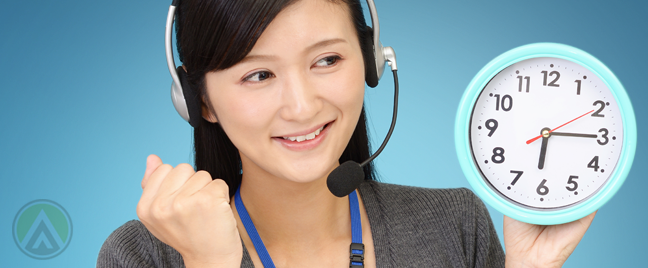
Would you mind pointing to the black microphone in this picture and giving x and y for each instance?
(347, 177)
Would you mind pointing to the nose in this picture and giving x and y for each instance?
(300, 97)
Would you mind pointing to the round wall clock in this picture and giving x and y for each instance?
(545, 133)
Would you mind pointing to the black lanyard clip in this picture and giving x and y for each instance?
(357, 255)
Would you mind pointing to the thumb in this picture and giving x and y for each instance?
(152, 163)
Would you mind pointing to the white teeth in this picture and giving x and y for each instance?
(306, 137)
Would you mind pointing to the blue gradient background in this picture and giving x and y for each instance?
(86, 99)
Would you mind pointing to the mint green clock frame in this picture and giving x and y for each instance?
(510, 208)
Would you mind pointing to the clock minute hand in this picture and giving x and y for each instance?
(540, 136)
(574, 135)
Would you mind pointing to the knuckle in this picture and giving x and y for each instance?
(203, 174)
(184, 167)
(164, 168)
(222, 186)
(160, 213)
(141, 211)
(203, 200)
(180, 206)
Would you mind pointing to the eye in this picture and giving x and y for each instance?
(328, 61)
(258, 76)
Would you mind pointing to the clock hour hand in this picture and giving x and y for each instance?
(545, 134)
(573, 135)
(543, 152)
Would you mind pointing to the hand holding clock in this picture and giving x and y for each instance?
(530, 245)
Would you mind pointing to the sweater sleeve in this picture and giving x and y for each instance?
(488, 249)
(132, 245)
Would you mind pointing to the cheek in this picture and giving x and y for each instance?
(242, 117)
(346, 91)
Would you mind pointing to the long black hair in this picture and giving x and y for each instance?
(217, 34)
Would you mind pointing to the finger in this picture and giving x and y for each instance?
(587, 220)
(155, 180)
(152, 163)
(152, 186)
(219, 188)
(175, 179)
(197, 182)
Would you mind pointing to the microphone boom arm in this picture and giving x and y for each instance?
(391, 127)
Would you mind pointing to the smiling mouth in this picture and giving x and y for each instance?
(308, 136)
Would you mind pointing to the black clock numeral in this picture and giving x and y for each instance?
(578, 84)
(542, 188)
(605, 133)
(491, 124)
(552, 83)
(517, 176)
(594, 163)
(598, 112)
(544, 81)
(572, 181)
(506, 107)
(498, 155)
(528, 81)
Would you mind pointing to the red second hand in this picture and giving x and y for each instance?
(540, 136)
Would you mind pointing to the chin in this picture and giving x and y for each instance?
(309, 173)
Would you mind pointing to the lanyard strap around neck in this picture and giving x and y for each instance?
(357, 248)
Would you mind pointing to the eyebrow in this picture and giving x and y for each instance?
(257, 58)
(319, 44)
(324, 43)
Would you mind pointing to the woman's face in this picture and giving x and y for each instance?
(291, 105)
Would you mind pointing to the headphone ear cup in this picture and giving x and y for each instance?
(369, 55)
(192, 98)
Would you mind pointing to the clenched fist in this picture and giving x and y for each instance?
(190, 212)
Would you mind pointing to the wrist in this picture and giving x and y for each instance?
(513, 263)
(523, 263)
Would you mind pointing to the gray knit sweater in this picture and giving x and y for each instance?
(410, 226)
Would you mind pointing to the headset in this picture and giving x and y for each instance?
(187, 101)
(345, 178)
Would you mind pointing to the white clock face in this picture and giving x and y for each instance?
(546, 133)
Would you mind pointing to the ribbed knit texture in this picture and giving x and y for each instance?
(411, 227)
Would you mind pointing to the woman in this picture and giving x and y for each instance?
(281, 87)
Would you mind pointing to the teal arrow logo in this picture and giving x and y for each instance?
(42, 229)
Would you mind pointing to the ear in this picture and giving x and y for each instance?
(207, 113)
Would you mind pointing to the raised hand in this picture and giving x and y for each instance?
(529, 245)
(190, 212)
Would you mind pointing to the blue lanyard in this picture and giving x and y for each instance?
(356, 249)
